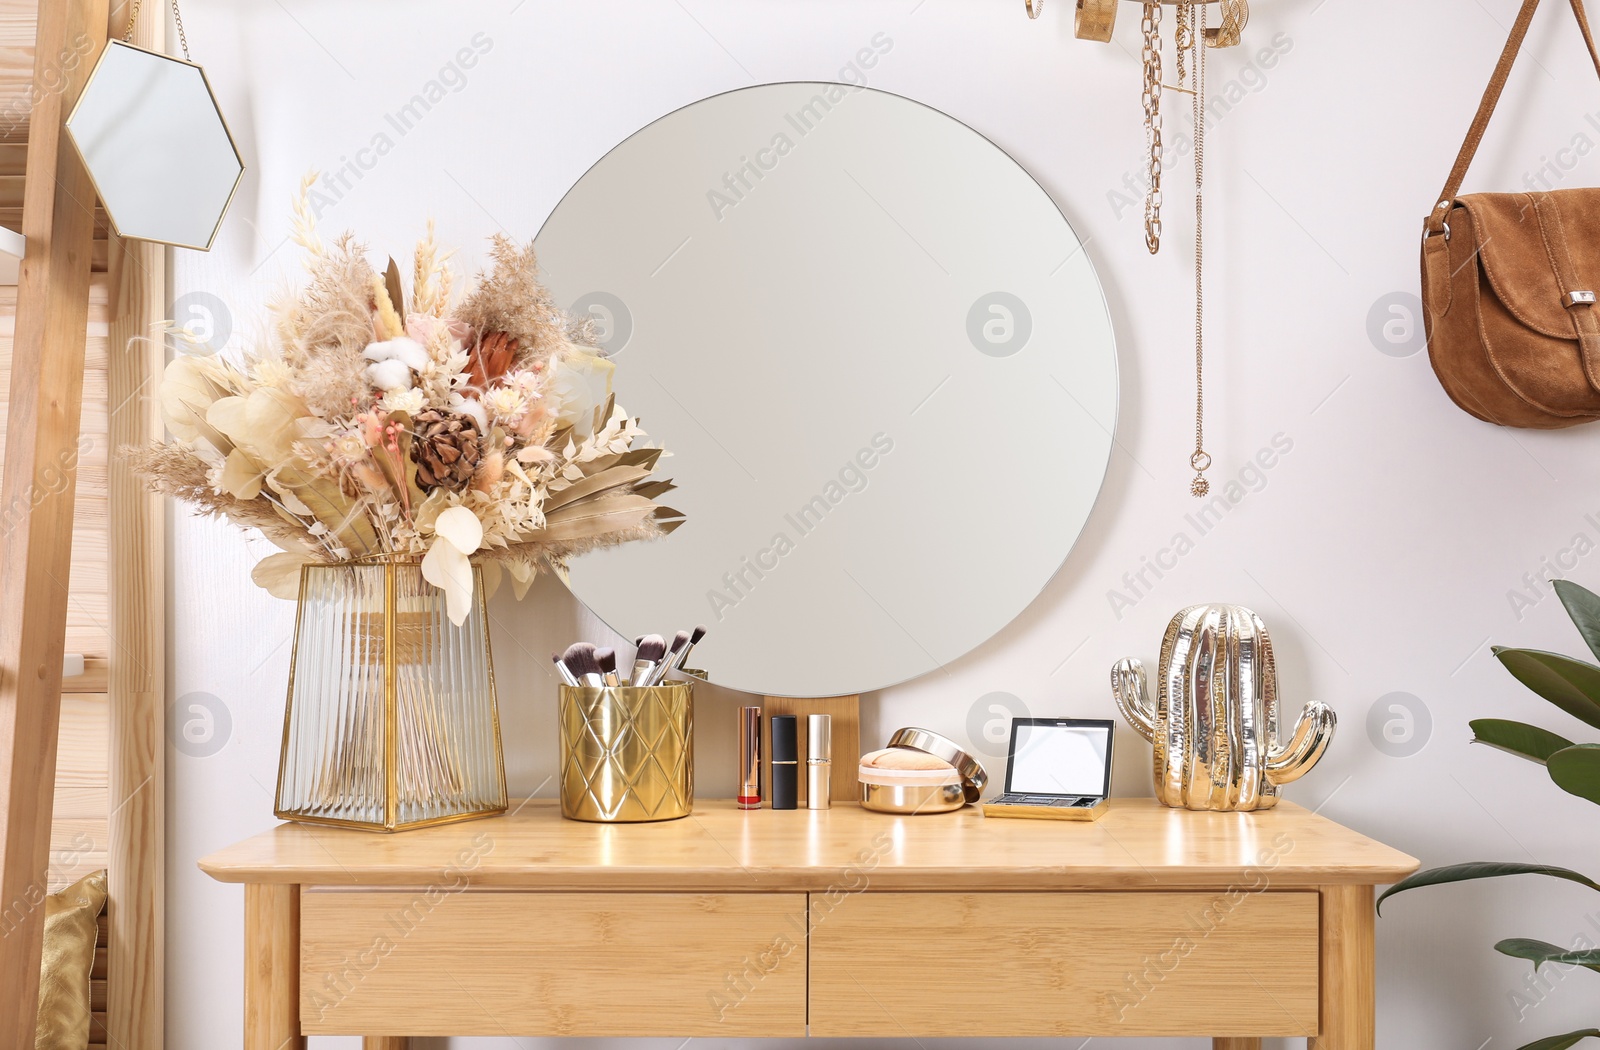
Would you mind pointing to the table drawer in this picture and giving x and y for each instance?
(1084, 964)
(433, 962)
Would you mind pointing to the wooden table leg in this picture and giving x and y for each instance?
(385, 1042)
(1349, 983)
(272, 968)
(1224, 1042)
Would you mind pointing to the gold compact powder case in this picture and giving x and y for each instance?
(898, 780)
(973, 776)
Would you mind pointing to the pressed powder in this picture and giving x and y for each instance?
(899, 780)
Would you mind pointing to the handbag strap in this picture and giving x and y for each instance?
(1491, 97)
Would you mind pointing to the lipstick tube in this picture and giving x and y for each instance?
(785, 762)
(819, 761)
(749, 758)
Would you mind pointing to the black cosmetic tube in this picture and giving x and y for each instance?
(785, 763)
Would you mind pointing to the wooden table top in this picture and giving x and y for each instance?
(1138, 844)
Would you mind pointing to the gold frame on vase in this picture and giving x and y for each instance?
(390, 642)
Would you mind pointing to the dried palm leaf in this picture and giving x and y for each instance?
(593, 518)
(391, 287)
(593, 486)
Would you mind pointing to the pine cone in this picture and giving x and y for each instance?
(491, 358)
(445, 450)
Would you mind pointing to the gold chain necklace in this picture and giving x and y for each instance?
(1183, 39)
(1151, 97)
(1201, 459)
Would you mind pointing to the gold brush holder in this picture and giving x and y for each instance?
(627, 753)
(391, 721)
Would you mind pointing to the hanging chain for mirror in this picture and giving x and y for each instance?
(177, 19)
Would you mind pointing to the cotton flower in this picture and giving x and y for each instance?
(391, 376)
(393, 361)
(467, 406)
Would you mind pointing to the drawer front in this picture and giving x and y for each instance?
(430, 962)
(1083, 964)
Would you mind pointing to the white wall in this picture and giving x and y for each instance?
(1382, 549)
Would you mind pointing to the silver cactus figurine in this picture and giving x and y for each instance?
(1214, 722)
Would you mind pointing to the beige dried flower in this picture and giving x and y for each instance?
(408, 401)
(271, 371)
(298, 443)
(510, 299)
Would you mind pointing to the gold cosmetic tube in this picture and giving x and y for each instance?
(819, 761)
(749, 758)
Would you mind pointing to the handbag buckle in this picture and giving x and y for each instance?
(1581, 298)
(1444, 229)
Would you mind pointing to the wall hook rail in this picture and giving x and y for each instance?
(1095, 19)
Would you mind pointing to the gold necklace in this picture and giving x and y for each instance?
(1151, 97)
(1200, 461)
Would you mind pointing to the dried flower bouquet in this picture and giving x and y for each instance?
(379, 425)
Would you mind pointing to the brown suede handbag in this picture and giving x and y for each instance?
(1509, 285)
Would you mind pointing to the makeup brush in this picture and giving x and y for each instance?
(679, 640)
(698, 633)
(607, 659)
(580, 660)
(561, 669)
(651, 651)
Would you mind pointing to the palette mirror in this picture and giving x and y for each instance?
(883, 363)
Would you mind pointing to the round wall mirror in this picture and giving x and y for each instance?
(883, 364)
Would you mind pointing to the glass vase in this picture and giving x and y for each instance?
(391, 720)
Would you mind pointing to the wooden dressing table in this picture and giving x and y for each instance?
(842, 922)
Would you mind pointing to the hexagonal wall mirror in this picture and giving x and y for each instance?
(156, 146)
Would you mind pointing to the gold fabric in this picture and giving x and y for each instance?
(70, 927)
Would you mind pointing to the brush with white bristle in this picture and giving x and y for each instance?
(580, 660)
(652, 649)
(679, 640)
(607, 659)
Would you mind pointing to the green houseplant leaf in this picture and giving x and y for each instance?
(1482, 869)
(1519, 738)
(1576, 770)
(1541, 952)
(1583, 605)
(1561, 1042)
(1572, 685)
